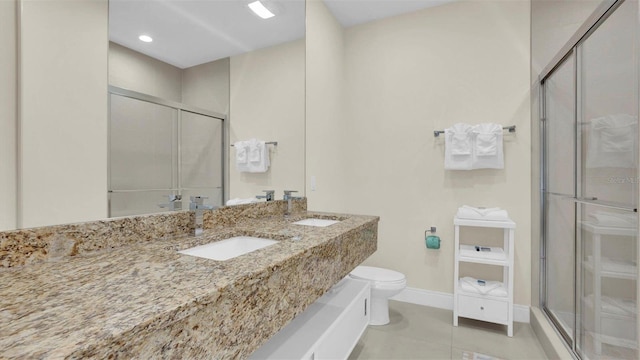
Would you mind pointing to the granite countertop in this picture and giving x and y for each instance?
(71, 307)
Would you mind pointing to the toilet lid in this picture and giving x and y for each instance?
(376, 274)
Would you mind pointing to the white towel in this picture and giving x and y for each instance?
(493, 288)
(255, 151)
(612, 142)
(252, 156)
(258, 156)
(242, 155)
(611, 219)
(623, 305)
(458, 147)
(479, 213)
(617, 306)
(615, 265)
(488, 150)
(238, 201)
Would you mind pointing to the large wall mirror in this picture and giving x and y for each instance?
(188, 79)
(159, 115)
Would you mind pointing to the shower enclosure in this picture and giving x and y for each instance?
(160, 149)
(589, 130)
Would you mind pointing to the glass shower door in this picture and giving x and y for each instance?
(590, 188)
(608, 187)
(201, 157)
(142, 160)
(559, 194)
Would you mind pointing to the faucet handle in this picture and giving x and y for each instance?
(287, 194)
(197, 202)
(175, 203)
(269, 195)
(198, 199)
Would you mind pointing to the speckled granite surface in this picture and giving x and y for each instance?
(27, 246)
(144, 300)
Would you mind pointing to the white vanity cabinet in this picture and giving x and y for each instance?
(328, 329)
(475, 305)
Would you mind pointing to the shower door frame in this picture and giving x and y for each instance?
(179, 107)
(600, 15)
(568, 338)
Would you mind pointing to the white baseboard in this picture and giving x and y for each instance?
(442, 300)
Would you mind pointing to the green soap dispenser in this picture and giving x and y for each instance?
(432, 241)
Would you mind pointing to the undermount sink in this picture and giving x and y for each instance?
(228, 248)
(316, 222)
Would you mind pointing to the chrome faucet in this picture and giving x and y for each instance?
(287, 197)
(175, 203)
(268, 196)
(197, 205)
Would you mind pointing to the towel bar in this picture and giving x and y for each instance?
(274, 143)
(511, 129)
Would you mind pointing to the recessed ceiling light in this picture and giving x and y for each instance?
(145, 38)
(260, 10)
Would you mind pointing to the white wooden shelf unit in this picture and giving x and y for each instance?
(495, 309)
(608, 328)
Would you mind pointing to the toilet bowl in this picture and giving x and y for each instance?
(384, 283)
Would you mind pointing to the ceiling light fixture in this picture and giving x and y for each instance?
(145, 38)
(260, 10)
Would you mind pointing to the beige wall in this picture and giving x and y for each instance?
(8, 70)
(267, 102)
(326, 135)
(206, 86)
(63, 96)
(552, 25)
(404, 78)
(131, 70)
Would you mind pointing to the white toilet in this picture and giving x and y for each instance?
(384, 283)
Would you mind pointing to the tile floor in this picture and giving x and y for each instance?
(420, 332)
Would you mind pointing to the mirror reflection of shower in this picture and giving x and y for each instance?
(160, 154)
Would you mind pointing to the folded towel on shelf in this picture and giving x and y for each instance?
(238, 201)
(458, 147)
(479, 213)
(488, 151)
(611, 219)
(612, 141)
(484, 287)
(624, 307)
(621, 266)
(615, 265)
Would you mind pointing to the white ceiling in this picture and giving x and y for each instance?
(191, 32)
(356, 12)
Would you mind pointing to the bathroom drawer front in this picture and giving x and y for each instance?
(483, 309)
